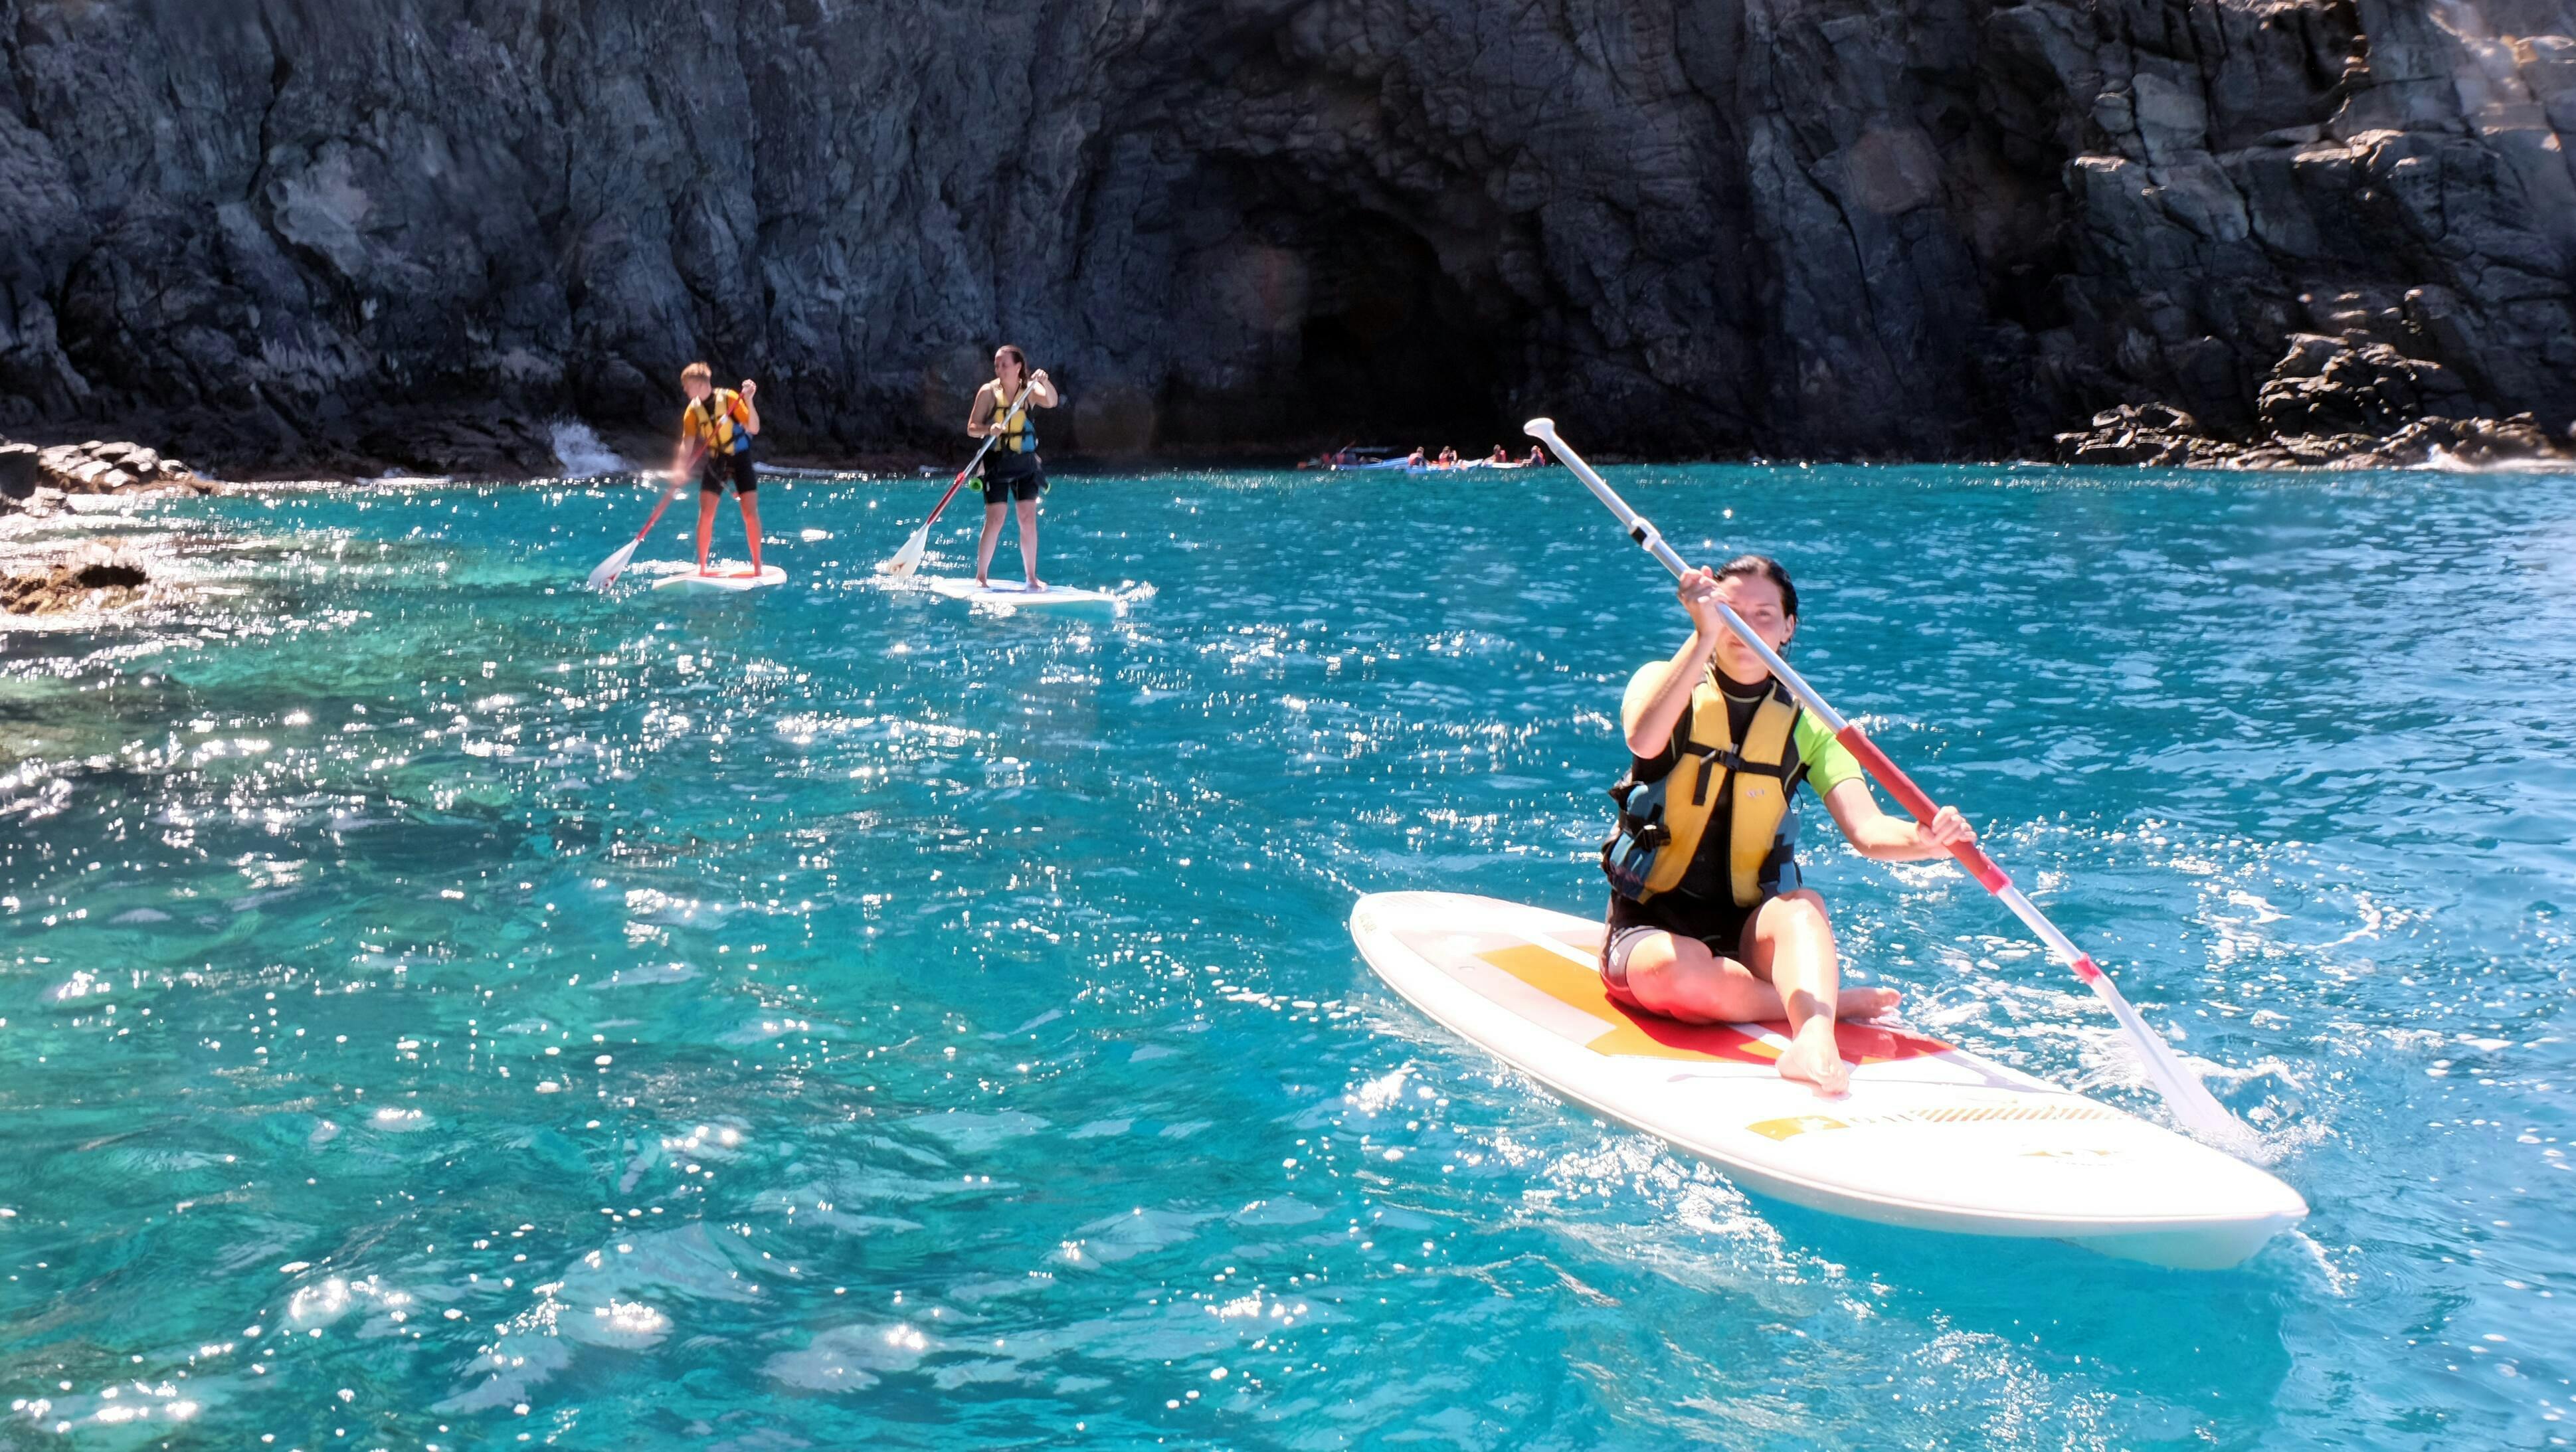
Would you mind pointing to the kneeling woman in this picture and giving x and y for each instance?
(1708, 922)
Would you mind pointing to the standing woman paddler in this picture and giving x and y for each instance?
(1012, 470)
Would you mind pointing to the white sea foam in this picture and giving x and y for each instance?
(583, 454)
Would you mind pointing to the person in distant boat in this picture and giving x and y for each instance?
(1708, 922)
(1448, 457)
(1415, 460)
(1498, 456)
(1012, 469)
(1537, 458)
(716, 430)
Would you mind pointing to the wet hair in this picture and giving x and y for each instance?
(1763, 567)
(1016, 356)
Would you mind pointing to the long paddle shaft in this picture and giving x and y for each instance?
(2191, 1100)
(909, 557)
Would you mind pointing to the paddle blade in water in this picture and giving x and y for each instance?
(609, 568)
(2199, 1110)
(907, 559)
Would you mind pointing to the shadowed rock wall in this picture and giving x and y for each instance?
(283, 233)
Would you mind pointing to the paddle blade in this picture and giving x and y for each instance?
(907, 559)
(609, 568)
(2192, 1103)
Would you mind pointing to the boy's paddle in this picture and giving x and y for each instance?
(2199, 1111)
(908, 559)
(615, 565)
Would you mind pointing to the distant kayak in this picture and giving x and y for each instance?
(1015, 595)
(723, 583)
(1930, 1136)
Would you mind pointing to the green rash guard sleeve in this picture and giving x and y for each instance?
(1829, 764)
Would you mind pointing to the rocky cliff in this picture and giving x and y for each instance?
(312, 233)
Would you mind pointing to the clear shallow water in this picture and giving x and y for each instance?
(445, 1007)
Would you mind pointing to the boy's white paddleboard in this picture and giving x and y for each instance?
(728, 581)
(1015, 595)
(1930, 1136)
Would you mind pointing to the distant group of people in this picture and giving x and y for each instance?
(1500, 458)
(1352, 456)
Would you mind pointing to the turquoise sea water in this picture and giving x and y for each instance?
(440, 1006)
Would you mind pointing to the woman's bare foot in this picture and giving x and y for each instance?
(1814, 1057)
(1866, 1003)
(1036, 585)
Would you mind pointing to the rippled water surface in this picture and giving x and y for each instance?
(441, 1006)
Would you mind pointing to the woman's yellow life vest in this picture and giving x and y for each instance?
(1012, 433)
(721, 422)
(1664, 825)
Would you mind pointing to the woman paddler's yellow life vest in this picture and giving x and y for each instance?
(1717, 798)
(1018, 436)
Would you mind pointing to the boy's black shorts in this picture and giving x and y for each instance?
(736, 467)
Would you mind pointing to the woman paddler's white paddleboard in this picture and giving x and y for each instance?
(1015, 594)
(1930, 1136)
(726, 582)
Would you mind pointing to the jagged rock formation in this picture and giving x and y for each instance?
(2338, 403)
(283, 234)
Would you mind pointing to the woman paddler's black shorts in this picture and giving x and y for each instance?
(1021, 482)
(735, 466)
(1720, 926)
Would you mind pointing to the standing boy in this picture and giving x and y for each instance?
(716, 430)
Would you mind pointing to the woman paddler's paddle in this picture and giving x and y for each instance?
(615, 565)
(908, 559)
(2199, 1111)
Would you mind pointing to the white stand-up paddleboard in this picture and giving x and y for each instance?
(725, 582)
(1015, 594)
(1930, 1136)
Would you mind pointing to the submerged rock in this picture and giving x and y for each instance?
(93, 584)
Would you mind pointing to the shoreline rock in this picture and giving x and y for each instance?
(2345, 402)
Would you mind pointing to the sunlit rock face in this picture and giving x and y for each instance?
(417, 233)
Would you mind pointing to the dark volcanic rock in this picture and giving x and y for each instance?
(2328, 385)
(286, 235)
(18, 470)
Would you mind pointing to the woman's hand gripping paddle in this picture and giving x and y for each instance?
(615, 565)
(2199, 1111)
(908, 559)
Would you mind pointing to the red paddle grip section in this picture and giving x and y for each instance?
(2085, 970)
(1911, 797)
(941, 507)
